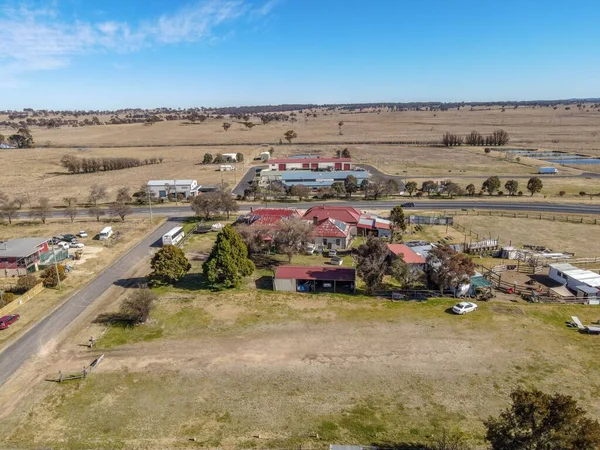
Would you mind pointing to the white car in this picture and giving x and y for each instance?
(464, 307)
(63, 245)
(76, 245)
(83, 234)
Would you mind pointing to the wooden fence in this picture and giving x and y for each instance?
(22, 299)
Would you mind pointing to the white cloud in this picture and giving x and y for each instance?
(40, 40)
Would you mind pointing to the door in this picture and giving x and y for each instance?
(346, 166)
(338, 166)
(315, 166)
(305, 165)
(282, 167)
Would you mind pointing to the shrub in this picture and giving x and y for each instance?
(562, 193)
(137, 308)
(7, 297)
(28, 282)
(520, 193)
(500, 193)
(582, 193)
(48, 276)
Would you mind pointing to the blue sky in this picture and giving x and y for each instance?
(130, 53)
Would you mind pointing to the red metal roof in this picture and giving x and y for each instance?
(410, 257)
(331, 228)
(266, 220)
(342, 213)
(279, 212)
(309, 160)
(315, 273)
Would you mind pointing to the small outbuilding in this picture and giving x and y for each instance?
(339, 280)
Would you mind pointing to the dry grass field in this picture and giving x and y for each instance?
(269, 370)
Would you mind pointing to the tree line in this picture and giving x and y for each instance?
(490, 186)
(91, 165)
(497, 138)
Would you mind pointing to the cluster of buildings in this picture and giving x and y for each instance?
(161, 189)
(312, 171)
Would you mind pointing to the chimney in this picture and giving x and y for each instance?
(315, 220)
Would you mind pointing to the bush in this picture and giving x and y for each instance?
(500, 193)
(27, 282)
(137, 308)
(48, 276)
(582, 193)
(520, 193)
(562, 193)
(7, 297)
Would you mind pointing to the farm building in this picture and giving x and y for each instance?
(331, 234)
(314, 163)
(372, 225)
(309, 178)
(19, 257)
(315, 279)
(584, 283)
(162, 188)
(230, 157)
(409, 256)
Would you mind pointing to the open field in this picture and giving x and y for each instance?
(558, 129)
(97, 255)
(225, 367)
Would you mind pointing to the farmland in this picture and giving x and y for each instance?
(182, 145)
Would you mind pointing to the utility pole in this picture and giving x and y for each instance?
(56, 267)
(149, 195)
(175, 189)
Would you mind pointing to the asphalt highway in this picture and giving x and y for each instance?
(33, 340)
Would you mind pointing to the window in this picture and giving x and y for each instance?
(338, 242)
(324, 241)
(162, 194)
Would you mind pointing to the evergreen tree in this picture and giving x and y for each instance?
(169, 265)
(397, 219)
(534, 185)
(228, 261)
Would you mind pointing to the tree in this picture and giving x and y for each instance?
(208, 158)
(429, 186)
(219, 159)
(499, 137)
(290, 135)
(512, 186)
(470, 189)
(474, 138)
(239, 157)
(27, 283)
(340, 125)
(375, 188)
(253, 237)
(392, 187)
(70, 210)
(449, 269)
(8, 210)
(22, 139)
(42, 211)
(20, 200)
(169, 265)
(227, 202)
(226, 126)
(346, 153)
(49, 278)
(300, 191)
(536, 420)
(350, 185)
(491, 185)
(404, 274)
(371, 262)
(97, 193)
(207, 204)
(291, 235)
(228, 261)
(410, 187)
(136, 308)
(338, 188)
(534, 185)
(452, 189)
(397, 218)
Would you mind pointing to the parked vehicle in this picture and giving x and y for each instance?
(105, 233)
(408, 205)
(82, 234)
(332, 252)
(69, 237)
(464, 308)
(76, 245)
(6, 321)
(63, 245)
(548, 170)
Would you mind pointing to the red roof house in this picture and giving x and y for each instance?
(346, 214)
(331, 234)
(409, 256)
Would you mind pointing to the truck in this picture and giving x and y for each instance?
(548, 170)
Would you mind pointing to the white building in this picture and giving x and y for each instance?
(230, 157)
(585, 283)
(163, 188)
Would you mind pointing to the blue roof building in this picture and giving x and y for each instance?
(312, 179)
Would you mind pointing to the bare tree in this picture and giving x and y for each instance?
(97, 193)
(20, 200)
(207, 204)
(290, 236)
(226, 126)
(227, 202)
(42, 211)
(8, 210)
(120, 208)
(340, 125)
(69, 201)
(300, 191)
(70, 210)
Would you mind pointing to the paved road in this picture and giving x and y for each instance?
(245, 181)
(32, 341)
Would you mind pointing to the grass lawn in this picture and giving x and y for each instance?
(225, 367)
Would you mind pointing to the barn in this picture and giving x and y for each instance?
(340, 280)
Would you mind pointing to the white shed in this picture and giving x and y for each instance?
(164, 188)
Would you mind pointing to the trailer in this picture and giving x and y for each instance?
(548, 170)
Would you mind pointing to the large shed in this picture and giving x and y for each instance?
(315, 279)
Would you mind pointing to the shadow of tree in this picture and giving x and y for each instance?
(264, 282)
(135, 282)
